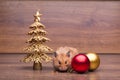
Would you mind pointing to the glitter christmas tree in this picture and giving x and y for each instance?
(36, 44)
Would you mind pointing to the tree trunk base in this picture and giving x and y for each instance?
(37, 66)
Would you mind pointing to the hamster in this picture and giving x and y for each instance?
(62, 58)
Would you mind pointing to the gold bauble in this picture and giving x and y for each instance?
(94, 61)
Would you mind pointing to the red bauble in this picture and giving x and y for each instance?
(80, 63)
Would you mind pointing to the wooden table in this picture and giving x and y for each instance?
(12, 69)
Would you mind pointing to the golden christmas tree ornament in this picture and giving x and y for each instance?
(94, 61)
(36, 48)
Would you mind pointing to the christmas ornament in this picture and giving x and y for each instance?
(94, 61)
(36, 47)
(80, 63)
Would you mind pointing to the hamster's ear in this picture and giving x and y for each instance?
(68, 53)
(55, 54)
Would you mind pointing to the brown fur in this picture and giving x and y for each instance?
(62, 58)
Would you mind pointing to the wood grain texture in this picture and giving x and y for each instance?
(12, 69)
(90, 26)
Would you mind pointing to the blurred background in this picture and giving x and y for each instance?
(89, 26)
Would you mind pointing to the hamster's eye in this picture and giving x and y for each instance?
(65, 62)
(59, 62)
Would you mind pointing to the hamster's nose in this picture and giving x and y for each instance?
(63, 68)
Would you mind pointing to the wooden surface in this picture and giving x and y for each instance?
(12, 69)
(90, 26)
